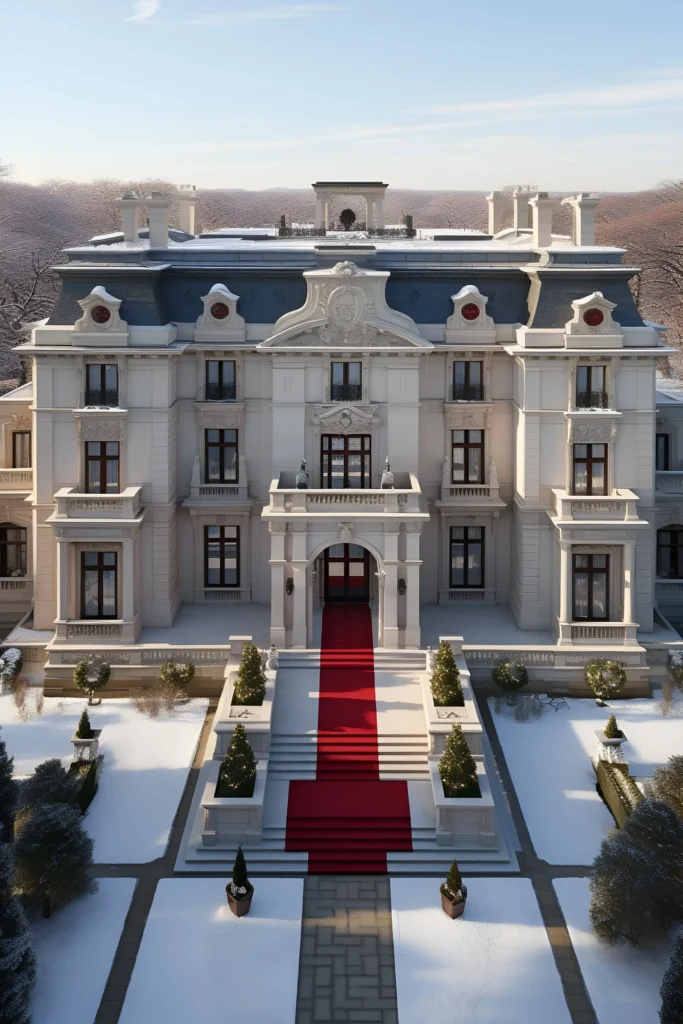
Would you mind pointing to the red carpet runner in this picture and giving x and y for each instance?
(347, 819)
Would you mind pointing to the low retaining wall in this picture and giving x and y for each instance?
(557, 670)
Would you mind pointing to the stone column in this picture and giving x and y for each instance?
(310, 596)
(128, 581)
(391, 535)
(379, 207)
(381, 579)
(412, 564)
(319, 213)
(369, 213)
(327, 215)
(565, 581)
(277, 583)
(299, 564)
(63, 580)
(629, 580)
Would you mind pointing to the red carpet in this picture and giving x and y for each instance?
(347, 819)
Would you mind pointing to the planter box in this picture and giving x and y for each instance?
(86, 750)
(464, 823)
(256, 718)
(439, 720)
(232, 821)
(610, 742)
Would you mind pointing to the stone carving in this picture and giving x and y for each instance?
(21, 422)
(596, 506)
(592, 432)
(220, 416)
(345, 532)
(272, 660)
(227, 328)
(91, 428)
(275, 527)
(345, 419)
(99, 297)
(596, 300)
(93, 630)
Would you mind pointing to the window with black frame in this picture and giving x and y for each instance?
(221, 457)
(221, 380)
(12, 550)
(670, 552)
(590, 588)
(21, 449)
(221, 556)
(102, 467)
(591, 392)
(468, 457)
(468, 381)
(345, 382)
(590, 469)
(662, 452)
(467, 556)
(345, 461)
(99, 584)
(102, 384)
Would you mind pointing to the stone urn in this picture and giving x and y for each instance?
(454, 906)
(607, 742)
(86, 749)
(240, 902)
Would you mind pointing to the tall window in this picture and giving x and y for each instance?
(98, 584)
(102, 467)
(467, 556)
(102, 385)
(221, 456)
(345, 382)
(590, 469)
(345, 461)
(468, 456)
(221, 556)
(12, 550)
(670, 552)
(591, 581)
(468, 381)
(220, 380)
(21, 449)
(590, 387)
(662, 452)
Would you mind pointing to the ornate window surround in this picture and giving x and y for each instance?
(488, 521)
(611, 364)
(199, 518)
(362, 357)
(616, 576)
(468, 355)
(218, 416)
(203, 355)
(467, 416)
(591, 428)
(102, 357)
(101, 425)
(75, 551)
(341, 418)
(19, 422)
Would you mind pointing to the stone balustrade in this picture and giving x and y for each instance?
(669, 481)
(72, 504)
(619, 506)
(403, 500)
(16, 479)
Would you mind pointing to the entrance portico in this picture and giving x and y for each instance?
(371, 191)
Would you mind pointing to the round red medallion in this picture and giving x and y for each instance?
(470, 311)
(100, 314)
(219, 311)
(593, 317)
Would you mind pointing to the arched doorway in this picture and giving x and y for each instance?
(346, 574)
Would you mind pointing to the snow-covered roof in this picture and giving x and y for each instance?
(668, 390)
(24, 393)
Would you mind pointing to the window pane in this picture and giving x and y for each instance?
(356, 551)
(93, 481)
(213, 469)
(474, 464)
(599, 561)
(94, 377)
(354, 444)
(598, 478)
(459, 373)
(94, 448)
(580, 478)
(213, 531)
(90, 558)
(337, 471)
(476, 436)
(337, 444)
(664, 566)
(21, 453)
(90, 595)
(474, 532)
(598, 451)
(581, 561)
(599, 610)
(581, 595)
(230, 464)
(109, 593)
(113, 448)
(213, 436)
(475, 374)
(109, 558)
(336, 551)
(458, 532)
(457, 565)
(366, 443)
(337, 373)
(112, 476)
(474, 565)
(354, 470)
(212, 371)
(580, 451)
(354, 373)
(228, 371)
(458, 437)
(230, 531)
(111, 377)
(230, 436)
(458, 465)
(598, 378)
(582, 379)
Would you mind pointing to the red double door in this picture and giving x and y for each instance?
(347, 573)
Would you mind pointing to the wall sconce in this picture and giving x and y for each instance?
(402, 586)
(289, 586)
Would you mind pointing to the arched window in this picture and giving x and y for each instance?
(12, 550)
(670, 552)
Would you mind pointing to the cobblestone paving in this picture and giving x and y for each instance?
(346, 971)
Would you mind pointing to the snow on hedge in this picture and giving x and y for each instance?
(491, 965)
(623, 983)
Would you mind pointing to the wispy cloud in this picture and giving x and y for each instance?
(144, 10)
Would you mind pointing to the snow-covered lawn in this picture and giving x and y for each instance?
(549, 760)
(623, 983)
(494, 964)
(146, 764)
(198, 962)
(75, 949)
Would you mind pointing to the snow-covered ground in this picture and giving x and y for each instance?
(623, 983)
(146, 764)
(494, 964)
(75, 949)
(549, 760)
(198, 962)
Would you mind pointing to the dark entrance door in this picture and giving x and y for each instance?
(347, 573)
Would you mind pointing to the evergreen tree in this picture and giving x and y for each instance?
(457, 767)
(49, 784)
(240, 878)
(667, 784)
(637, 880)
(53, 856)
(84, 730)
(9, 793)
(17, 962)
(454, 879)
(671, 991)
(237, 775)
(347, 218)
(250, 685)
(612, 730)
(445, 684)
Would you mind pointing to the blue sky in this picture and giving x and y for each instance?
(422, 93)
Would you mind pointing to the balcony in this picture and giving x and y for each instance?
(346, 393)
(468, 393)
(482, 495)
(669, 591)
(220, 392)
(592, 400)
(102, 398)
(216, 493)
(16, 480)
(617, 507)
(319, 503)
(669, 481)
(72, 504)
(598, 633)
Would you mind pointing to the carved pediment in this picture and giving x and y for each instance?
(345, 419)
(220, 416)
(345, 307)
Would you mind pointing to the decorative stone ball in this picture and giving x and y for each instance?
(100, 314)
(219, 311)
(470, 311)
(593, 317)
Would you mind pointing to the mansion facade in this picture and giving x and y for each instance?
(224, 420)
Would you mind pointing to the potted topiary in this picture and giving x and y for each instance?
(240, 891)
(237, 774)
(453, 893)
(250, 684)
(90, 675)
(175, 677)
(445, 683)
(86, 740)
(605, 678)
(611, 735)
(510, 676)
(457, 767)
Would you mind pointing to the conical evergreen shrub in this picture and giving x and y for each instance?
(454, 879)
(9, 795)
(671, 991)
(250, 685)
(457, 767)
(17, 961)
(612, 730)
(53, 856)
(445, 683)
(237, 774)
(240, 877)
(84, 730)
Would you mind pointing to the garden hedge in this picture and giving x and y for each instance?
(619, 790)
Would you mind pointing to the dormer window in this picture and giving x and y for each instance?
(590, 387)
(221, 381)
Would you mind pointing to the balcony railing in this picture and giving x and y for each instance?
(16, 479)
(468, 393)
(102, 397)
(72, 504)
(221, 392)
(346, 392)
(592, 400)
(403, 500)
(669, 481)
(619, 506)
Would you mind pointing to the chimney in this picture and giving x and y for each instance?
(583, 217)
(542, 208)
(129, 205)
(495, 212)
(187, 197)
(158, 206)
(520, 208)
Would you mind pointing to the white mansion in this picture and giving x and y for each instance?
(477, 415)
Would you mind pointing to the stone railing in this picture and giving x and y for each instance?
(470, 493)
(402, 500)
(72, 504)
(600, 632)
(669, 481)
(15, 583)
(205, 492)
(16, 479)
(619, 506)
(142, 654)
(669, 590)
